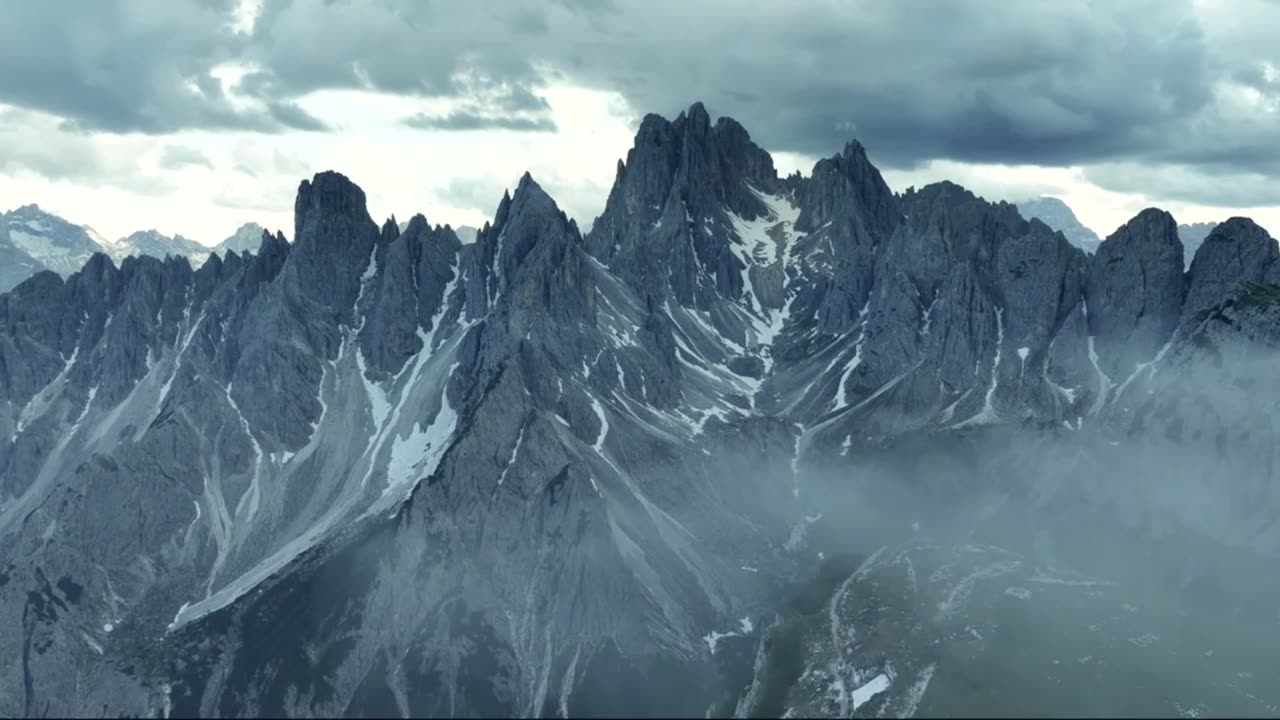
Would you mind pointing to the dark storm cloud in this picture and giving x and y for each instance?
(440, 49)
(971, 80)
(491, 105)
(1178, 183)
(1154, 82)
(125, 65)
(291, 116)
(916, 80)
(476, 53)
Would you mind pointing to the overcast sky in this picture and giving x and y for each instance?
(193, 116)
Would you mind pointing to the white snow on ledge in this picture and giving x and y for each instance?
(713, 638)
(873, 687)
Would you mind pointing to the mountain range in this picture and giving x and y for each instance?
(755, 445)
(32, 239)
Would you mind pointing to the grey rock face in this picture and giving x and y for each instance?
(1134, 290)
(335, 235)
(945, 227)
(847, 205)
(1235, 253)
(1039, 279)
(414, 270)
(293, 326)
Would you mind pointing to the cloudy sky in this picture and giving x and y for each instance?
(193, 116)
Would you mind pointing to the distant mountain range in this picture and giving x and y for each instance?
(157, 244)
(247, 238)
(1058, 215)
(33, 239)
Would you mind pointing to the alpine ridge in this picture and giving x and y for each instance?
(381, 470)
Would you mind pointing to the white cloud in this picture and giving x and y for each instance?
(402, 170)
(456, 177)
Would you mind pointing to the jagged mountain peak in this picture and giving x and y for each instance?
(670, 222)
(274, 243)
(1151, 229)
(964, 223)
(329, 197)
(853, 149)
(527, 221)
(1153, 217)
(530, 193)
(699, 157)
(1135, 290)
(848, 183)
(331, 191)
(1150, 235)
(99, 263)
(697, 114)
(326, 206)
(390, 230)
(1239, 228)
(1237, 251)
(334, 242)
(948, 191)
(416, 225)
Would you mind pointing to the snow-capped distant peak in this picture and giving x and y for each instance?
(246, 239)
(50, 240)
(153, 242)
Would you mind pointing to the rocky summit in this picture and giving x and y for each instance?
(755, 445)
